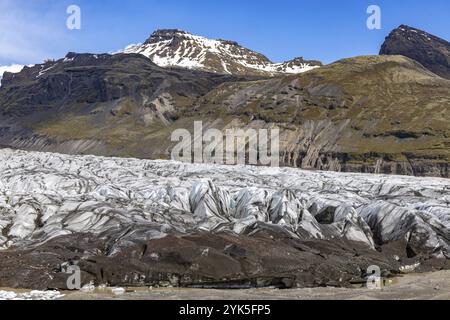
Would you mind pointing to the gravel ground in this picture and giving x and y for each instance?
(430, 286)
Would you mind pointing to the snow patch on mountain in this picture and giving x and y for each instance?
(176, 48)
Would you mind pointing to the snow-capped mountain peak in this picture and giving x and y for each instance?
(177, 48)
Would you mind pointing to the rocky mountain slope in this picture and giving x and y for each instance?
(129, 222)
(377, 114)
(431, 51)
(101, 102)
(384, 114)
(177, 48)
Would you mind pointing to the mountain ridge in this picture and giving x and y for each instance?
(178, 48)
(374, 114)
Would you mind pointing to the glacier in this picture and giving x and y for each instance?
(45, 197)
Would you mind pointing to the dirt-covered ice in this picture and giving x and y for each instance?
(132, 210)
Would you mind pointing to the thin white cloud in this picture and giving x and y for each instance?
(25, 33)
(14, 68)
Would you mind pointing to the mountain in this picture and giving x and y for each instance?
(14, 68)
(378, 114)
(177, 48)
(375, 114)
(431, 51)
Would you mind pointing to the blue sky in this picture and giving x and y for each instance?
(328, 30)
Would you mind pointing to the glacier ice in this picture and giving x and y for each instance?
(45, 195)
(32, 295)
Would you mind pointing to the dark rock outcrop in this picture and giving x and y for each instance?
(88, 79)
(432, 52)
